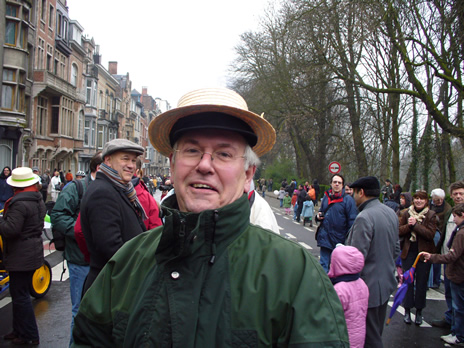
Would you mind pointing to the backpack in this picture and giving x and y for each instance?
(58, 237)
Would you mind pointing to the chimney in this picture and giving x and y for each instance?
(144, 90)
(113, 68)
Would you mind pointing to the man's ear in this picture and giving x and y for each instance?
(249, 174)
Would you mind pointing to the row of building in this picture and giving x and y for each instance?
(59, 104)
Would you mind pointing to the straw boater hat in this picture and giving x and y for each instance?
(22, 177)
(217, 108)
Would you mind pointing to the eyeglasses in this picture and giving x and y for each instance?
(193, 156)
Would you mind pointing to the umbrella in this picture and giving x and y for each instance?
(408, 278)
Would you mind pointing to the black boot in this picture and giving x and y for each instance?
(407, 316)
(418, 320)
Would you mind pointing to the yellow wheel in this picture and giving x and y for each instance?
(41, 281)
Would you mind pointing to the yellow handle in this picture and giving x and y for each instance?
(417, 259)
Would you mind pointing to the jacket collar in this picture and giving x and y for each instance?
(200, 234)
(363, 205)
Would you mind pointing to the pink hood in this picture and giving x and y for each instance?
(345, 260)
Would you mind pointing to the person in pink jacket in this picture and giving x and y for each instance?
(345, 270)
(146, 199)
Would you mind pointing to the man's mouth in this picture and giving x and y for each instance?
(203, 186)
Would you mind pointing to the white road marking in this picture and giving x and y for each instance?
(5, 301)
(289, 235)
(58, 269)
(305, 245)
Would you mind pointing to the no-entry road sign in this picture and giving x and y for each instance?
(334, 167)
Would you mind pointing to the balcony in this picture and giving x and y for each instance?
(44, 79)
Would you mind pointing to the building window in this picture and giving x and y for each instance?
(74, 71)
(67, 116)
(80, 124)
(43, 13)
(42, 105)
(55, 115)
(100, 137)
(49, 58)
(50, 18)
(11, 25)
(92, 134)
(40, 54)
(8, 89)
(87, 133)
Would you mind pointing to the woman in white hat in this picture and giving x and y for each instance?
(21, 231)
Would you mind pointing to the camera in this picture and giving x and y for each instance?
(321, 214)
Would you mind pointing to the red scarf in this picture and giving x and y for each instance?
(334, 197)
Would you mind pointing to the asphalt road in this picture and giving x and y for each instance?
(53, 312)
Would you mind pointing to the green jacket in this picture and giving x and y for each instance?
(63, 218)
(211, 280)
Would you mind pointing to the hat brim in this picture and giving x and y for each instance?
(160, 128)
(22, 183)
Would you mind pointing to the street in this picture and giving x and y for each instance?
(53, 312)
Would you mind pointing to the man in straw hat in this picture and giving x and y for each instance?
(207, 277)
(21, 230)
(110, 212)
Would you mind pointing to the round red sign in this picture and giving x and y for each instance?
(334, 167)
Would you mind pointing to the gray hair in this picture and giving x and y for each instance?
(438, 192)
(251, 158)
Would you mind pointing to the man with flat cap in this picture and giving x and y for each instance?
(207, 277)
(110, 211)
(375, 234)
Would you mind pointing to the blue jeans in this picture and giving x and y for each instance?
(448, 298)
(457, 293)
(325, 255)
(77, 275)
(281, 202)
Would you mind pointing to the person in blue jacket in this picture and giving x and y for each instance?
(336, 215)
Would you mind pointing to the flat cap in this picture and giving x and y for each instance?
(369, 184)
(121, 145)
(35, 169)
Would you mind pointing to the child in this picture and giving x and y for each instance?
(281, 196)
(287, 203)
(294, 204)
(455, 273)
(308, 211)
(345, 269)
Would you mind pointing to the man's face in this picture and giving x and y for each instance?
(458, 219)
(209, 184)
(387, 183)
(337, 184)
(357, 196)
(124, 163)
(348, 190)
(458, 195)
(438, 201)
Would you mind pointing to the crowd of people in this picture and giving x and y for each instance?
(207, 267)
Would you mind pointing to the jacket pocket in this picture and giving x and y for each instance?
(244, 338)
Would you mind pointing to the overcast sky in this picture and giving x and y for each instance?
(169, 46)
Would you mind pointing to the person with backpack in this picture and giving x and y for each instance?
(45, 184)
(63, 217)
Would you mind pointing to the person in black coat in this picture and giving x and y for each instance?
(301, 198)
(21, 231)
(111, 213)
